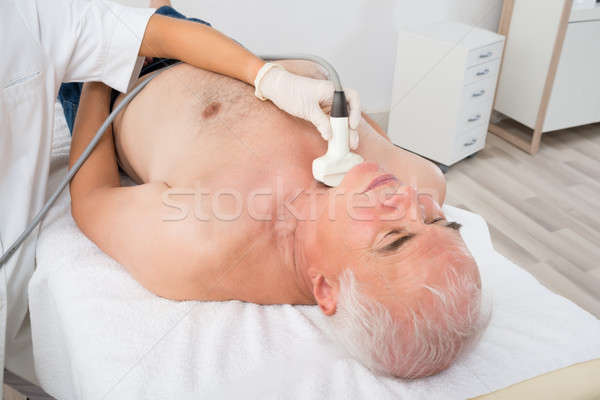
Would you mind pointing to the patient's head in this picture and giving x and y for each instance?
(402, 290)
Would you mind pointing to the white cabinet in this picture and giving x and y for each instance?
(575, 98)
(550, 77)
(444, 84)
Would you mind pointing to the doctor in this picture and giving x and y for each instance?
(46, 43)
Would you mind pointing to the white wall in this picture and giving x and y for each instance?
(357, 36)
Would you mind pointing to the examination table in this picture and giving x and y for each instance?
(98, 334)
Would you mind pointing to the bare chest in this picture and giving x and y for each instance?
(190, 127)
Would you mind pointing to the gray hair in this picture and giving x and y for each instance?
(424, 343)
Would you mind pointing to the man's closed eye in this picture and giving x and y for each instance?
(397, 243)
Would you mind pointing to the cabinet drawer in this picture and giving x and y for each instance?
(482, 71)
(470, 142)
(478, 92)
(476, 104)
(476, 115)
(485, 54)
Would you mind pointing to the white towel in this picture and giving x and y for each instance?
(98, 334)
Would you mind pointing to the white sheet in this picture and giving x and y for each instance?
(98, 334)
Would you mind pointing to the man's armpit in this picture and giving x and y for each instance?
(375, 126)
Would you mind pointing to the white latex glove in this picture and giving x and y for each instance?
(303, 97)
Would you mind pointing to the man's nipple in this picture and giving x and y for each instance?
(211, 110)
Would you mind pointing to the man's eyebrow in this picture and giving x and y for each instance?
(452, 225)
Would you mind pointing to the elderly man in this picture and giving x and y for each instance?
(225, 207)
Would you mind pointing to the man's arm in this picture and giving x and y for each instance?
(100, 170)
(199, 45)
(128, 223)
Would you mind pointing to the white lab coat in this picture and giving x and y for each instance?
(44, 43)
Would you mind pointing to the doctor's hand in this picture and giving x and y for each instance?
(304, 98)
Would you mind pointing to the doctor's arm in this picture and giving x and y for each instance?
(100, 40)
(199, 45)
(128, 223)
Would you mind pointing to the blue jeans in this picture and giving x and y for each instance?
(69, 93)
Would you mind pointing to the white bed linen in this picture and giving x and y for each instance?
(98, 334)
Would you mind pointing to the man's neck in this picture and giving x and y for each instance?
(301, 222)
(301, 265)
(285, 269)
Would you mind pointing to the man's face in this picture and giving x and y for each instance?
(388, 233)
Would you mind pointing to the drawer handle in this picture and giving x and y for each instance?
(484, 72)
(479, 94)
(486, 55)
(475, 118)
(470, 142)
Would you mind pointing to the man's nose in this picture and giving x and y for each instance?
(412, 204)
(405, 202)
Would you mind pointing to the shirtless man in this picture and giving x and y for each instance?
(225, 207)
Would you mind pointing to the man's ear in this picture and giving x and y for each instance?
(325, 292)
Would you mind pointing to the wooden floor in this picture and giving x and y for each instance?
(11, 394)
(543, 211)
